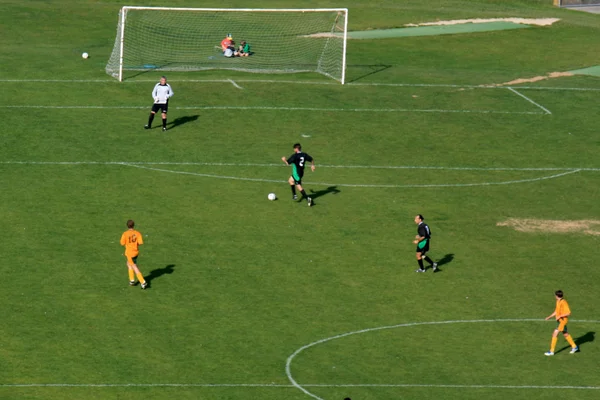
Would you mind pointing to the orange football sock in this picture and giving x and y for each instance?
(570, 340)
(131, 275)
(553, 343)
(140, 277)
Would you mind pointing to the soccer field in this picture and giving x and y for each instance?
(256, 299)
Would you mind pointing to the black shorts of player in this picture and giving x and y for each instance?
(134, 259)
(162, 107)
(297, 179)
(424, 249)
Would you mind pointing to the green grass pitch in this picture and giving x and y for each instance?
(252, 299)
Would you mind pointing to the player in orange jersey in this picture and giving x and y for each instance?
(225, 43)
(132, 239)
(561, 314)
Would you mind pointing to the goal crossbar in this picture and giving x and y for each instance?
(283, 40)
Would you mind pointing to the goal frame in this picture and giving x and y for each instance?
(125, 9)
(564, 4)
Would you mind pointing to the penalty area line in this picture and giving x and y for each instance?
(356, 185)
(235, 84)
(302, 387)
(529, 100)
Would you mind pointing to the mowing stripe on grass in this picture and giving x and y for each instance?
(529, 100)
(288, 364)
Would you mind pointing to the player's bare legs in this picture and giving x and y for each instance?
(133, 269)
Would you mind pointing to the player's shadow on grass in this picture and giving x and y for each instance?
(447, 259)
(158, 272)
(182, 120)
(588, 337)
(319, 193)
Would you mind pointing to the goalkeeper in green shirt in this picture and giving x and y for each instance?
(244, 49)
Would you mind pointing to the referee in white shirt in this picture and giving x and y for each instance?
(161, 94)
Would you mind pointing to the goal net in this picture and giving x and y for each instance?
(189, 39)
(567, 3)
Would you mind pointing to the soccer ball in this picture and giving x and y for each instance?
(85, 55)
(272, 196)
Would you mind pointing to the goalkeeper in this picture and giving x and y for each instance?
(244, 49)
(161, 94)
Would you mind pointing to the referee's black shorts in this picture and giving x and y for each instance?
(162, 107)
(423, 249)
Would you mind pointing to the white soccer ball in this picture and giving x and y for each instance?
(85, 55)
(272, 196)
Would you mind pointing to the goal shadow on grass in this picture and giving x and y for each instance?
(358, 72)
(158, 272)
(586, 338)
(182, 120)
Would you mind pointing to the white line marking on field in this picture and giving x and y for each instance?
(145, 166)
(455, 386)
(289, 360)
(266, 108)
(235, 84)
(294, 384)
(358, 185)
(206, 175)
(529, 100)
(108, 385)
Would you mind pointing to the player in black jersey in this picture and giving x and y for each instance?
(297, 161)
(422, 241)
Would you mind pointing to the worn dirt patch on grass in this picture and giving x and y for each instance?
(518, 81)
(525, 21)
(588, 227)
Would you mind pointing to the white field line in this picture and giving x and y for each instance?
(291, 82)
(258, 108)
(529, 100)
(235, 84)
(357, 185)
(145, 166)
(303, 386)
(207, 175)
(289, 360)
(317, 385)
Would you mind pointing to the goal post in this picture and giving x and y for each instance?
(189, 39)
(576, 3)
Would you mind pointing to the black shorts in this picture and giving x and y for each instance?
(162, 107)
(297, 178)
(423, 248)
